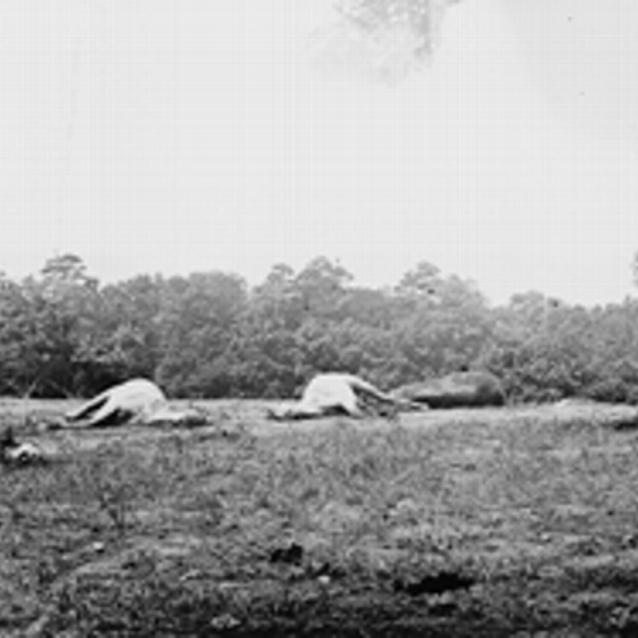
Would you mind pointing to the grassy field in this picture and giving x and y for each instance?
(493, 522)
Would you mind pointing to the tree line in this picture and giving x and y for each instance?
(210, 335)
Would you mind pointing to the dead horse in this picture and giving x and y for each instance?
(134, 401)
(336, 393)
(468, 388)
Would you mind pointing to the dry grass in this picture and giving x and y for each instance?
(486, 522)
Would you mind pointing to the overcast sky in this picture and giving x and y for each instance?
(174, 136)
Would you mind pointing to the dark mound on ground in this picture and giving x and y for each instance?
(455, 390)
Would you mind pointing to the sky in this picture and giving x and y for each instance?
(175, 136)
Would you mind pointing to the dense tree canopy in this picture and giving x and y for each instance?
(209, 334)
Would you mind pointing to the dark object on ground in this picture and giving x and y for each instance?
(292, 555)
(14, 453)
(442, 582)
(455, 390)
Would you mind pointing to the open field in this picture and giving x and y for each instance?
(495, 522)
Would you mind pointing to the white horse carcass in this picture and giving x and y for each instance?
(333, 393)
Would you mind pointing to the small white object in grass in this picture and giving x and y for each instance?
(224, 621)
(23, 453)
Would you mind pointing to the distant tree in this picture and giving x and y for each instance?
(197, 324)
(278, 303)
(264, 354)
(321, 285)
(423, 280)
(207, 335)
(367, 306)
(545, 349)
(130, 333)
(19, 360)
(443, 321)
(64, 271)
(48, 323)
(70, 316)
(613, 348)
(550, 345)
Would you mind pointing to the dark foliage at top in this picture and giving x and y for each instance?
(210, 335)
